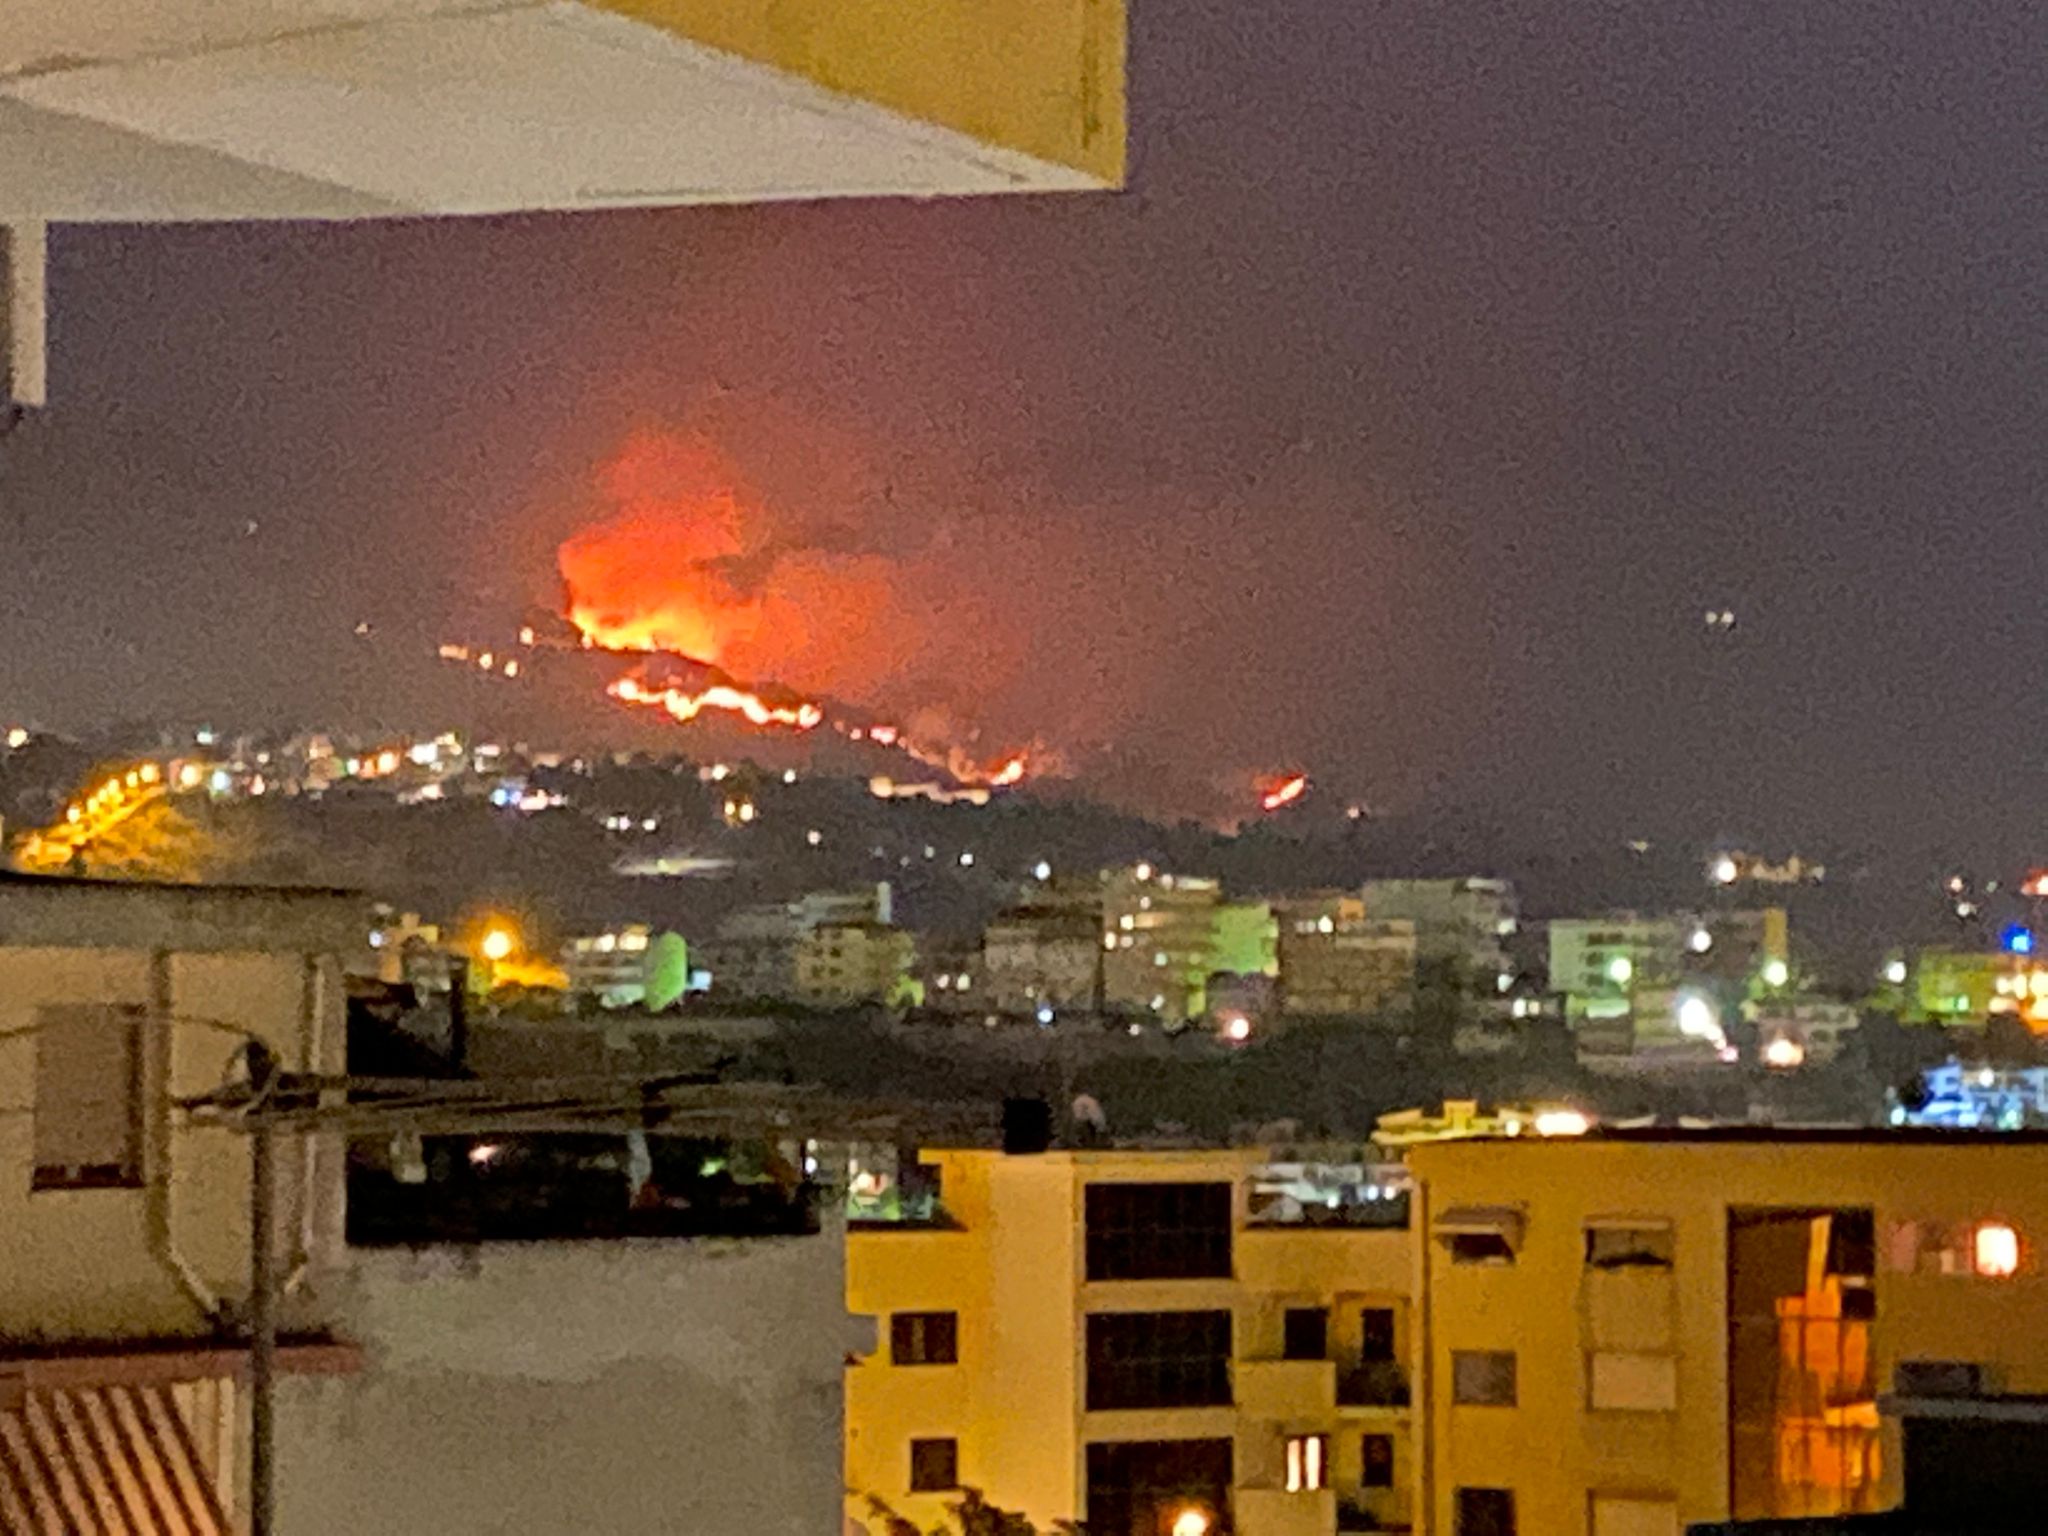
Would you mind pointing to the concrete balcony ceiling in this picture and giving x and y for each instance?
(112, 110)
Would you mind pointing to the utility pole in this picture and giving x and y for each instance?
(263, 1296)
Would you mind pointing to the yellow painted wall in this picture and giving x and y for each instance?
(1045, 77)
(1015, 1271)
(1549, 1448)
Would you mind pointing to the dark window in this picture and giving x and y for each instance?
(1481, 1248)
(1376, 1334)
(924, 1338)
(1486, 1512)
(934, 1465)
(1307, 1335)
(1158, 1231)
(88, 1097)
(1158, 1359)
(1139, 1487)
(1628, 1247)
(1483, 1377)
(1376, 1461)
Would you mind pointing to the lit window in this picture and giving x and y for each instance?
(1306, 1463)
(1995, 1250)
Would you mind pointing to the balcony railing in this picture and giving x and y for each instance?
(556, 1188)
(898, 1209)
(1311, 1194)
(1373, 1384)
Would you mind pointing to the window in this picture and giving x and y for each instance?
(1143, 1487)
(1483, 1378)
(1634, 1515)
(934, 1466)
(88, 1103)
(1308, 1461)
(1614, 1246)
(1485, 1512)
(1631, 1383)
(1376, 1461)
(1375, 1335)
(1307, 1334)
(1991, 1249)
(1158, 1231)
(924, 1338)
(1995, 1250)
(1481, 1248)
(1158, 1360)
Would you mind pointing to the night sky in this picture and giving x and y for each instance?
(1445, 363)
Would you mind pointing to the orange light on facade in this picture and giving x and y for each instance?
(1995, 1250)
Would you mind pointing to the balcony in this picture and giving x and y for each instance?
(1273, 1512)
(1286, 1391)
(1326, 1195)
(1373, 1384)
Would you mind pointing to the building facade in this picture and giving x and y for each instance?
(1466, 922)
(1336, 962)
(754, 954)
(1631, 1332)
(662, 1350)
(843, 965)
(1158, 942)
(1043, 954)
(1147, 1341)
(1674, 981)
(124, 1266)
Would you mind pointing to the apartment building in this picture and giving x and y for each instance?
(1158, 941)
(842, 965)
(126, 1244)
(1154, 1342)
(1465, 922)
(1632, 982)
(1336, 962)
(1043, 954)
(756, 952)
(1633, 1331)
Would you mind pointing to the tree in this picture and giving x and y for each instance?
(970, 1514)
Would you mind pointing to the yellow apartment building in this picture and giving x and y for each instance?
(1632, 1331)
(1161, 1343)
(125, 1253)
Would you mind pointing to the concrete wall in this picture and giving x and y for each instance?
(622, 1387)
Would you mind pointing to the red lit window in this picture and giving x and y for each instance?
(1995, 1250)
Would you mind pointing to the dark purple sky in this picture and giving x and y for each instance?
(1444, 364)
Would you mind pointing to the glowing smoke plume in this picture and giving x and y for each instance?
(688, 564)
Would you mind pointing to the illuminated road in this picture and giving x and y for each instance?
(98, 811)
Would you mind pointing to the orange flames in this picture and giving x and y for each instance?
(1284, 792)
(690, 567)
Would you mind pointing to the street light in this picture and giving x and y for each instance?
(1776, 972)
(1191, 1522)
(1621, 970)
(498, 944)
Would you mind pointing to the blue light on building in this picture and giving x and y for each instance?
(2017, 940)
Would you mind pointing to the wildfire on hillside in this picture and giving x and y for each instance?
(689, 575)
(1278, 792)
